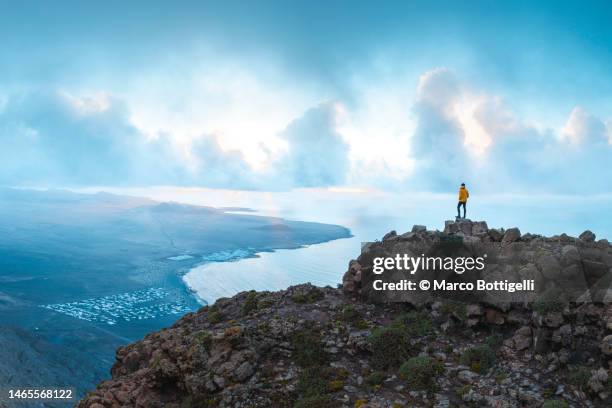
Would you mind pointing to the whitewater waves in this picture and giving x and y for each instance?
(137, 305)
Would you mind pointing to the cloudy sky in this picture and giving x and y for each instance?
(421, 96)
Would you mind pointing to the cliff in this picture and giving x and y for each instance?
(331, 347)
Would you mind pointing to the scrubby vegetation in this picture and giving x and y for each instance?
(391, 344)
(250, 303)
(311, 296)
(479, 358)
(351, 315)
(204, 339)
(421, 372)
(375, 378)
(555, 403)
(308, 349)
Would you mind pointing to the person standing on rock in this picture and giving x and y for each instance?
(463, 197)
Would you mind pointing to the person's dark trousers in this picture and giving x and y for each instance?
(459, 206)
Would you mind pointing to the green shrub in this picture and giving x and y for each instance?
(479, 358)
(550, 301)
(390, 346)
(250, 303)
(311, 296)
(579, 377)
(494, 341)
(421, 372)
(265, 303)
(457, 309)
(313, 387)
(204, 339)
(555, 403)
(464, 389)
(349, 313)
(311, 383)
(214, 316)
(415, 323)
(376, 378)
(308, 349)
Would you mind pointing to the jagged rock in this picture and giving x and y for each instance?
(598, 380)
(467, 376)
(496, 235)
(474, 310)
(549, 266)
(419, 228)
(451, 227)
(389, 235)
(522, 338)
(569, 255)
(587, 236)
(511, 235)
(352, 277)
(479, 228)
(408, 236)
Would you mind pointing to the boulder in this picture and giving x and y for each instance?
(587, 236)
(549, 266)
(598, 381)
(496, 235)
(522, 338)
(467, 376)
(479, 228)
(569, 255)
(419, 228)
(465, 226)
(389, 235)
(450, 227)
(511, 235)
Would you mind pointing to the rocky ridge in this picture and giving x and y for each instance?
(327, 347)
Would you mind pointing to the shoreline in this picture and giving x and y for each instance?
(196, 275)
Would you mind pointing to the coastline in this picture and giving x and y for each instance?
(266, 269)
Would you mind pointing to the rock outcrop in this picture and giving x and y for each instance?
(327, 347)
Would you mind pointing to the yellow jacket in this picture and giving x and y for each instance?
(463, 195)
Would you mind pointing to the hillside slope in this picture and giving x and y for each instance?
(326, 347)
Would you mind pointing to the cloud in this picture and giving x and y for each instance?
(438, 143)
(59, 139)
(317, 154)
(445, 133)
(465, 134)
(582, 127)
(55, 138)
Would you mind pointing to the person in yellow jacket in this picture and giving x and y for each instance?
(463, 197)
